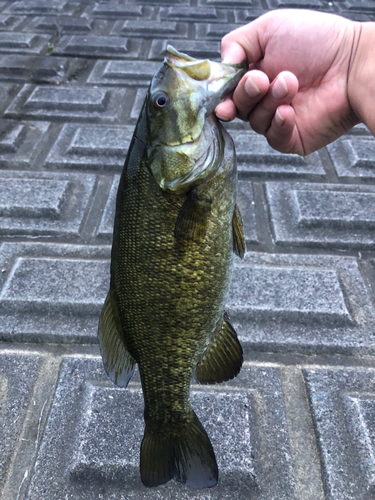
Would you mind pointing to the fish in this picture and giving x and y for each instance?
(176, 228)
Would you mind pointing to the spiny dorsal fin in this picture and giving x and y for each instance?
(191, 224)
(118, 363)
(223, 357)
(239, 245)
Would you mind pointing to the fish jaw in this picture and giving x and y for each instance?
(180, 144)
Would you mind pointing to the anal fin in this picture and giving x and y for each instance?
(118, 363)
(239, 245)
(223, 357)
(191, 224)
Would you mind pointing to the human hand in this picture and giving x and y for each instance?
(296, 90)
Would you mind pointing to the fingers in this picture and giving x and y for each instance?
(282, 135)
(281, 92)
(251, 89)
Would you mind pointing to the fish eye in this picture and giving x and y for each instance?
(160, 100)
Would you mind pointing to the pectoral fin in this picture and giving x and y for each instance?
(118, 363)
(191, 224)
(239, 245)
(223, 357)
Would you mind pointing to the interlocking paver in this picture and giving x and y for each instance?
(88, 446)
(41, 204)
(118, 72)
(17, 377)
(301, 303)
(88, 147)
(63, 25)
(353, 156)
(52, 293)
(9, 22)
(68, 103)
(33, 69)
(149, 29)
(38, 7)
(255, 156)
(98, 46)
(23, 43)
(205, 14)
(342, 403)
(19, 142)
(322, 214)
(199, 49)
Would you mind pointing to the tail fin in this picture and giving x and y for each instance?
(187, 457)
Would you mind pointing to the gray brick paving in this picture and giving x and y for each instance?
(298, 421)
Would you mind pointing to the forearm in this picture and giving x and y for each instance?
(361, 82)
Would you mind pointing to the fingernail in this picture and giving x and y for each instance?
(279, 119)
(279, 89)
(251, 87)
(220, 116)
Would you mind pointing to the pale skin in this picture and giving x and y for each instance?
(311, 78)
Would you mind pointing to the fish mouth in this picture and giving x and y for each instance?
(205, 165)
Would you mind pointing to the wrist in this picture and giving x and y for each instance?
(361, 79)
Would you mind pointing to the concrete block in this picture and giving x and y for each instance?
(296, 4)
(342, 404)
(245, 202)
(23, 43)
(231, 3)
(150, 29)
(120, 73)
(105, 228)
(255, 156)
(52, 293)
(242, 16)
(63, 24)
(198, 49)
(353, 156)
(17, 378)
(90, 147)
(301, 303)
(138, 103)
(36, 69)
(356, 5)
(98, 46)
(41, 7)
(94, 430)
(63, 103)
(208, 14)
(322, 214)
(118, 10)
(19, 142)
(212, 31)
(8, 22)
(41, 204)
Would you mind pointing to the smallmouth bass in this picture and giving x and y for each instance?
(176, 228)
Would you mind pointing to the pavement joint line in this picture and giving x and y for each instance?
(302, 436)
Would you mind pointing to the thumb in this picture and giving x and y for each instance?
(242, 44)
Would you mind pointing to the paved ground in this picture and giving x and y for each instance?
(298, 423)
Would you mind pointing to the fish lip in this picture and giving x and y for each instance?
(187, 143)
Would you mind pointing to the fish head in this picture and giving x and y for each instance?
(183, 94)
